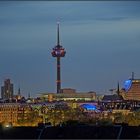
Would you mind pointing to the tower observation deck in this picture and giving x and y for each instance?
(58, 52)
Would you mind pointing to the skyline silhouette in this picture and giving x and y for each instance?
(101, 39)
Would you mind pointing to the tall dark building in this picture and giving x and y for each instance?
(58, 52)
(7, 90)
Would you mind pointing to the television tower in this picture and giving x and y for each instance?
(58, 52)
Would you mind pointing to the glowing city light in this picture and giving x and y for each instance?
(127, 84)
(89, 106)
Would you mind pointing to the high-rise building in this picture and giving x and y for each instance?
(7, 90)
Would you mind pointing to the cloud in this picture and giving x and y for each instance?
(111, 18)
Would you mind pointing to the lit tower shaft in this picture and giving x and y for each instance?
(58, 82)
(58, 52)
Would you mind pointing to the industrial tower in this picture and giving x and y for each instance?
(58, 52)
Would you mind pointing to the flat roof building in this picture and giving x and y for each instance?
(86, 96)
(68, 90)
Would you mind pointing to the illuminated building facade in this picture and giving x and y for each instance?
(58, 52)
(18, 114)
(131, 90)
(7, 90)
(89, 96)
(126, 98)
(8, 113)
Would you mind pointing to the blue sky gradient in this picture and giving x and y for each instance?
(102, 40)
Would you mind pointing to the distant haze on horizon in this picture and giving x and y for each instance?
(101, 39)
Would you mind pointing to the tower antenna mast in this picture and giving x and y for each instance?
(132, 75)
(58, 40)
(58, 52)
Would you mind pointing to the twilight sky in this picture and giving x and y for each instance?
(102, 40)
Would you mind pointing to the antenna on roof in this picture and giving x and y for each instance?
(118, 89)
(29, 95)
(132, 75)
(58, 39)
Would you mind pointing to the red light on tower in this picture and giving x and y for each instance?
(58, 52)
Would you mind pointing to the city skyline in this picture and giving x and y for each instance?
(101, 39)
